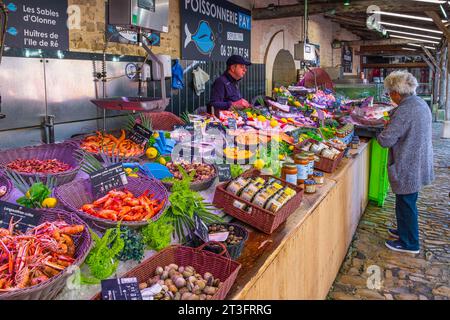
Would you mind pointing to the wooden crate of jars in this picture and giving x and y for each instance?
(327, 157)
(263, 217)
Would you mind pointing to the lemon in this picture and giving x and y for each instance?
(162, 161)
(262, 118)
(49, 203)
(281, 157)
(284, 120)
(128, 170)
(151, 153)
(249, 114)
(297, 104)
(274, 123)
(291, 148)
(28, 195)
(259, 164)
(156, 135)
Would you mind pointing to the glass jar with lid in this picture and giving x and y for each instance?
(302, 162)
(289, 172)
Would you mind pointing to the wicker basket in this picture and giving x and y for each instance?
(4, 181)
(78, 140)
(203, 261)
(165, 121)
(197, 186)
(49, 290)
(324, 164)
(62, 152)
(78, 193)
(234, 250)
(259, 218)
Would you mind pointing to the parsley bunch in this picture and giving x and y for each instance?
(184, 203)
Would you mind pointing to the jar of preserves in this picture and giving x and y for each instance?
(318, 177)
(289, 172)
(328, 153)
(310, 186)
(302, 162)
(311, 158)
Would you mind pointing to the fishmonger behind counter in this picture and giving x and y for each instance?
(225, 93)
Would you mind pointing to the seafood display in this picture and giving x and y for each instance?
(111, 145)
(175, 282)
(202, 171)
(31, 258)
(124, 206)
(38, 166)
(237, 154)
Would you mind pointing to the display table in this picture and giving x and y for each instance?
(302, 258)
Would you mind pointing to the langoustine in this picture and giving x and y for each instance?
(31, 258)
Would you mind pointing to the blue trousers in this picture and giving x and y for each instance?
(408, 220)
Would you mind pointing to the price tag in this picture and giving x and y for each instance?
(125, 289)
(26, 218)
(201, 229)
(140, 135)
(219, 236)
(224, 171)
(112, 177)
(232, 124)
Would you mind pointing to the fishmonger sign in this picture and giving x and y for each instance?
(37, 24)
(214, 30)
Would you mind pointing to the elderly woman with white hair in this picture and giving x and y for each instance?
(408, 135)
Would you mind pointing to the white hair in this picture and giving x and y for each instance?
(401, 82)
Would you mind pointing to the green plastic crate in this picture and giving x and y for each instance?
(379, 182)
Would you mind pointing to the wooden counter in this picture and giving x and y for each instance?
(301, 259)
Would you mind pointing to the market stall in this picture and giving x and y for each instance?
(260, 190)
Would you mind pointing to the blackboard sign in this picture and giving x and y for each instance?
(224, 171)
(107, 179)
(201, 229)
(232, 124)
(126, 289)
(26, 218)
(214, 30)
(140, 135)
(37, 24)
(347, 59)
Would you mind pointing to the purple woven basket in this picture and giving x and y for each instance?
(49, 290)
(62, 152)
(77, 141)
(4, 181)
(78, 193)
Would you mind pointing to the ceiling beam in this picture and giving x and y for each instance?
(430, 56)
(438, 22)
(296, 10)
(381, 42)
(399, 52)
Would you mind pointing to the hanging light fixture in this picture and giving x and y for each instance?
(346, 2)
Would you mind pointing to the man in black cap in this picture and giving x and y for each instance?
(225, 90)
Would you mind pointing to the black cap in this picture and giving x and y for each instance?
(237, 60)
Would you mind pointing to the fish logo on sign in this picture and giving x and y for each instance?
(12, 31)
(203, 38)
(12, 7)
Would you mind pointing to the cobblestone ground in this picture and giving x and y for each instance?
(371, 271)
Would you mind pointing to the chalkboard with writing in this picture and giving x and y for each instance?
(26, 218)
(38, 24)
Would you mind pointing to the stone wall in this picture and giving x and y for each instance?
(271, 36)
(90, 38)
